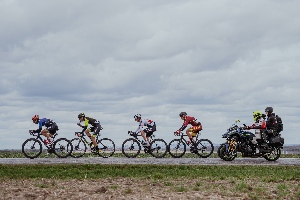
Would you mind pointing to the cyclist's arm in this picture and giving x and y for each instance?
(40, 127)
(182, 128)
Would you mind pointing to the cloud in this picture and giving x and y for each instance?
(216, 60)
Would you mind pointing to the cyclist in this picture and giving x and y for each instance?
(146, 127)
(96, 127)
(259, 125)
(51, 127)
(193, 130)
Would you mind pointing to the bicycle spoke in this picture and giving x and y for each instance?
(131, 148)
(32, 148)
(79, 148)
(158, 148)
(204, 148)
(62, 147)
(106, 147)
(177, 148)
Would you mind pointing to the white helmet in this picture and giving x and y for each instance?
(137, 116)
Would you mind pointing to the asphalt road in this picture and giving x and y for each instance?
(154, 161)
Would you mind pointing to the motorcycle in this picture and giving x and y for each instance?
(238, 139)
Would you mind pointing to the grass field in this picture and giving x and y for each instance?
(19, 154)
(235, 182)
(96, 181)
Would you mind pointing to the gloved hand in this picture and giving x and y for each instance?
(78, 124)
(177, 133)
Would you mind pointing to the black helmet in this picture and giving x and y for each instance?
(182, 114)
(269, 110)
(137, 116)
(81, 115)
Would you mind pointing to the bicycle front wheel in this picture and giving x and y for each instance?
(177, 148)
(131, 148)
(62, 147)
(106, 147)
(158, 148)
(32, 148)
(79, 148)
(205, 148)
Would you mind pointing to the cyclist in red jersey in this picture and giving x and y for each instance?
(193, 130)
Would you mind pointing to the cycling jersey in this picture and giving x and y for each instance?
(49, 124)
(189, 120)
(146, 124)
(95, 125)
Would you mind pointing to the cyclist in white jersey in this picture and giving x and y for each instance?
(146, 128)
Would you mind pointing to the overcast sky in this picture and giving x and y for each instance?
(217, 60)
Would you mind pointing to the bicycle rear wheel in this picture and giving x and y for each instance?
(158, 148)
(205, 148)
(131, 148)
(177, 148)
(62, 147)
(32, 148)
(106, 147)
(79, 148)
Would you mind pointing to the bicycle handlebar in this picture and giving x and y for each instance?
(31, 132)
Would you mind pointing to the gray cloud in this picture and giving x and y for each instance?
(216, 60)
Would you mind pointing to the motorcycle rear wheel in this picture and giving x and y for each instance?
(274, 155)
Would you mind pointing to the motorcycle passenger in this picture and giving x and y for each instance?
(146, 126)
(193, 130)
(96, 127)
(259, 125)
(51, 127)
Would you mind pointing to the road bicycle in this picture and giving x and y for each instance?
(80, 145)
(132, 147)
(177, 147)
(32, 147)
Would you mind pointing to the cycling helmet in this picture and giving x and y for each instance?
(137, 116)
(182, 114)
(81, 115)
(35, 117)
(257, 115)
(269, 110)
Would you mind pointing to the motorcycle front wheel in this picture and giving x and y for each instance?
(224, 155)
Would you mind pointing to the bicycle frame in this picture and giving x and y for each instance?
(185, 141)
(135, 136)
(83, 139)
(38, 137)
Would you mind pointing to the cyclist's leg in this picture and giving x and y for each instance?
(87, 132)
(143, 133)
(148, 134)
(45, 133)
(189, 133)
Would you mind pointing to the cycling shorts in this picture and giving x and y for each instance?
(194, 130)
(149, 130)
(96, 128)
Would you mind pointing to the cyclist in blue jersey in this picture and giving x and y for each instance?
(51, 127)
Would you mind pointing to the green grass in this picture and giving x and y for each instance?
(155, 172)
